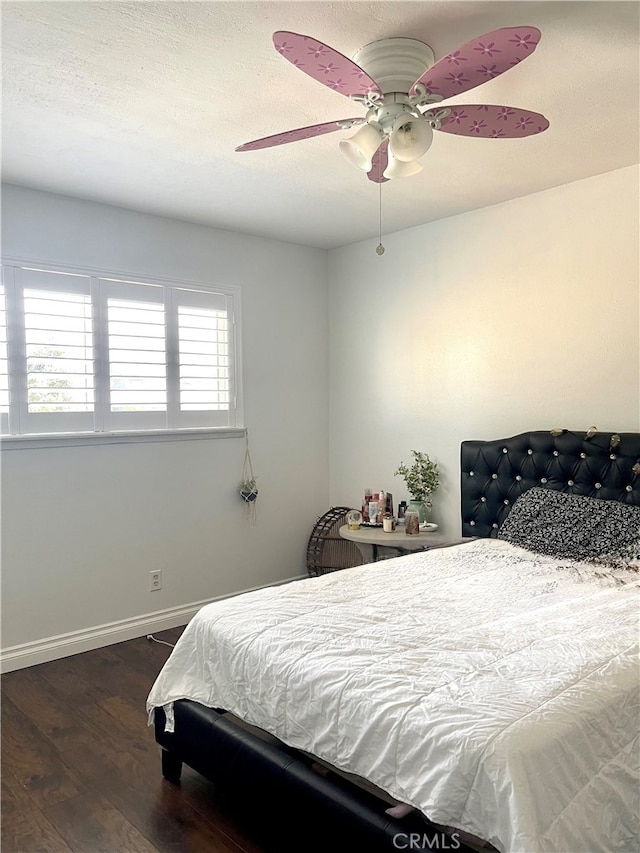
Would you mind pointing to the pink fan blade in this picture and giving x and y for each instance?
(493, 122)
(298, 133)
(479, 60)
(324, 64)
(379, 164)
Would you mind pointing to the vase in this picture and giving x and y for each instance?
(420, 507)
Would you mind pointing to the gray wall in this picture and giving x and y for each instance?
(519, 316)
(83, 526)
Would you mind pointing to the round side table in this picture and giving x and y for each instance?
(369, 539)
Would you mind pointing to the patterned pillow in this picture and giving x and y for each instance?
(573, 526)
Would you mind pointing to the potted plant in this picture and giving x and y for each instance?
(422, 479)
(248, 489)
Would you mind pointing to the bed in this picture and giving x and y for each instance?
(491, 687)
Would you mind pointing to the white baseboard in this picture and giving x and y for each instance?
(75, 642)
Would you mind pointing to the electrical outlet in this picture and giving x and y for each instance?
(155, 580)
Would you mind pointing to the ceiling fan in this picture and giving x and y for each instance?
(402, 90)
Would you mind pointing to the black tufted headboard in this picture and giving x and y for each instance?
(495, 473)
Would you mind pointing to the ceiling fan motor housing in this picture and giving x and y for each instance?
(396, 63)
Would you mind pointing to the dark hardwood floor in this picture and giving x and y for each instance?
(81, 769)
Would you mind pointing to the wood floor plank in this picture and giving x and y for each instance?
(26, 688)
(91, 824)
(59, 719)
(128, 784)
(25, 829)
(127, 728)
(129, 716)
(125, 681)
(33, 761)
(14, 798)
(145, 656)
(82, 769)
(82, 747)
(76, 677)
(139, 741)
(163, 813)
(96, 676)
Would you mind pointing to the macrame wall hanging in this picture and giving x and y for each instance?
(248, 487)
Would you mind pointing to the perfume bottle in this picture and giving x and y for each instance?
(365, 505)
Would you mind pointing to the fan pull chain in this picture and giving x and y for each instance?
(380, 247)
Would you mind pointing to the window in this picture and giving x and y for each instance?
(86, 353)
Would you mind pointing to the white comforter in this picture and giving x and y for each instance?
(494, 689)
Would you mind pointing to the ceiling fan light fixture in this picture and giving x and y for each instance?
(404, 96)
(410, 138)
(400, 169)
(359, 150)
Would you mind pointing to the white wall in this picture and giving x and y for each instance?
(516, 317)
(83, 526)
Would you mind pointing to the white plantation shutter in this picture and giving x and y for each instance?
(204, 340)
(55, 340)
(136, 355)
(101, 354)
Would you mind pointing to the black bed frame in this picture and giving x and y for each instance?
(340, 816)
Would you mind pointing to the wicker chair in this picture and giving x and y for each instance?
(327, 551)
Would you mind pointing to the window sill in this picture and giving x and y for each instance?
(79, 439)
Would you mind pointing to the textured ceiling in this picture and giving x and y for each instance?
(142, 104)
